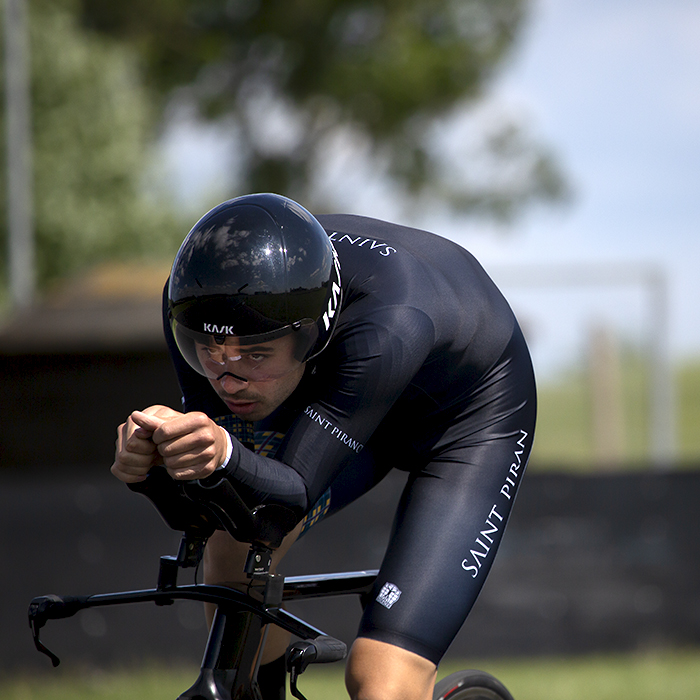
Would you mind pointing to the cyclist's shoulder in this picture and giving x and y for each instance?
(344, 227)
(389, 253)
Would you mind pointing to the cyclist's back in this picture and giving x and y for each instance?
(435, 300)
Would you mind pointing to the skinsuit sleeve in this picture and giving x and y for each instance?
(373, 358)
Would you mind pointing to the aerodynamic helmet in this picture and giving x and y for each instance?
(253, 270)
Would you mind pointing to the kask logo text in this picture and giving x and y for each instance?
(334, 298)
(218, 330)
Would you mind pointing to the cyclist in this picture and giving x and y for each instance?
(315, 354)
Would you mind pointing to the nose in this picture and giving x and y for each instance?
(231, 383)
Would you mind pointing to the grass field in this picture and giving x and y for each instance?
(657, 676)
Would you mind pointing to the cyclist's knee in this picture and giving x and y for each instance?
(380, 671)
(224, 559)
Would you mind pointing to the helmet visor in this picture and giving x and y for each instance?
(258, 358)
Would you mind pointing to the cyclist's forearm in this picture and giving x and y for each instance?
(263, 480)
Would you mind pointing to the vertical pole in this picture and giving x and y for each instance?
(21, 257)
(662, 410)
(606, 399)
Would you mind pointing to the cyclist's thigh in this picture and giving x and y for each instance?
(448, 526)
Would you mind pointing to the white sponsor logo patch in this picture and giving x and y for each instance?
(388, 595)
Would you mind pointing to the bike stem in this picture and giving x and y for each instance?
(235, 638)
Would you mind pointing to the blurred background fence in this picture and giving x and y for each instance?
(588, 564)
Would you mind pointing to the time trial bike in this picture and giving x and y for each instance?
(230, 663)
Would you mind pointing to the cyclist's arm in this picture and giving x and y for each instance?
(358, 379)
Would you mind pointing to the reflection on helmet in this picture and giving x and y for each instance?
(255, 268)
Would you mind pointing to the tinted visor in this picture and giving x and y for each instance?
(254, 358)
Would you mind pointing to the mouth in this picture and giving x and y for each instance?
(240, 406)
(231, 374)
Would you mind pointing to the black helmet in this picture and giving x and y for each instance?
(254, 269)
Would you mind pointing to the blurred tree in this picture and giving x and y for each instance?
(92, 123)
(291, 76)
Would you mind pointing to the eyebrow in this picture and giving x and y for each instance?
(256, 348)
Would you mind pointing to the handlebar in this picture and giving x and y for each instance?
(313, 647)
(201, 506)
(198, 508)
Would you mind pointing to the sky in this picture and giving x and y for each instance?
(613, 88)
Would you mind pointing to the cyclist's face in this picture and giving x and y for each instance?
(252, 380)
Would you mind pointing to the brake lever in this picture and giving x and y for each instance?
(323, 649)
(38, 615)
(35, 626)
(51, 607)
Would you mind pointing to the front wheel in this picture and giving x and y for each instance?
(471, 685)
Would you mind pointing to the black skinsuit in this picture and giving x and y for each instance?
(427, 372)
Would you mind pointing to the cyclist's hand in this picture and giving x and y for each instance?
(135, 451)
(190, 445)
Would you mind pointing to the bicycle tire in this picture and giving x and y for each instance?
(470, 685)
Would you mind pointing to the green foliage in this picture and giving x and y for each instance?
(562, 436)
(387, 72)
(289, 77)
(92, 122)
